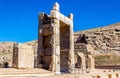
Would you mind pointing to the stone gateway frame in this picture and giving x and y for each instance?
(56, 41)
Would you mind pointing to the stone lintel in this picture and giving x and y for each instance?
(61, 17)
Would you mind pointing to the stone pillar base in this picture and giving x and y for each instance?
(57, 73)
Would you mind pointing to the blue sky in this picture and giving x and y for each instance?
(19, 18)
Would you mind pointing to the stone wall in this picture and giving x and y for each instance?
(44, 42)
(23, 56)
(34, 44)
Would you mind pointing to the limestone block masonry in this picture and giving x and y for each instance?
(56, 41)
(23, 56)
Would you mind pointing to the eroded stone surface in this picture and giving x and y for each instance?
(23, 56)
(6, 53)
(56, 33)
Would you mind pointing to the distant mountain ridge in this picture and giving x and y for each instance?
(111, 26)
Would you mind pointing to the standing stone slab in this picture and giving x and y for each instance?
(23, 56)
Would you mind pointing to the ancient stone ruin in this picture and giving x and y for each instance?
(23, 56)
(54, 49)
(56, 41)
(83, 54)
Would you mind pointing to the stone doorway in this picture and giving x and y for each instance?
(56, 41)
(78, 63)
(64, 46)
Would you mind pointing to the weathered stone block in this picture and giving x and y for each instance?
(46, 26)
(47, 41)
(40, 31)
(46, 32)
(40, 43)
(48, 51)
(57, 40)
(41, 51)
(47, 59)
(24, 56)
(46, 66)
(39, 59)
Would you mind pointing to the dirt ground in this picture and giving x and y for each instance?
(41, 73)
(23, 73)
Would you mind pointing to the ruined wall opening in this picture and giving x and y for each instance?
(78, 63)
(6, 65)
(64, 46)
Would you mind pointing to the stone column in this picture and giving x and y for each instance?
(92, 64)
(56, 36)
(83, 67)
(71, 52)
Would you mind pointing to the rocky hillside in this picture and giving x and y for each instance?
(32, 43)
(104, 40)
